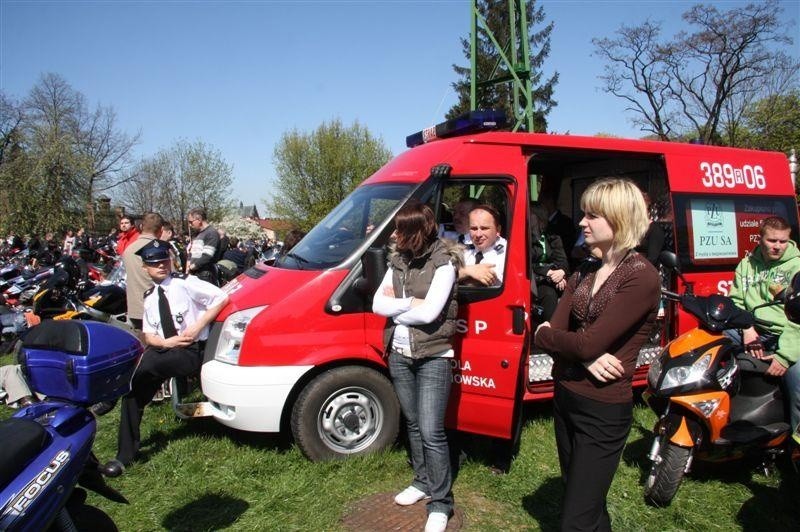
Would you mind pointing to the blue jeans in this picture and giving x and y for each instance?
(792, 381)
(423, 388)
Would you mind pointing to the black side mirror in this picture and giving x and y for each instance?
(373, 266)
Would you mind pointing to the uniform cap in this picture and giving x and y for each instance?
(154, 251)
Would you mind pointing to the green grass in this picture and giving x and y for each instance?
(198, 475)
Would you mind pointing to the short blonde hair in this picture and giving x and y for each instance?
(621, 203)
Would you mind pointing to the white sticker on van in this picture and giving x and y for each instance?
(478, 326)
(724, 287)
(727, 176)
(474, 380)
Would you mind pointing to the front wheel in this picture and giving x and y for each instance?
(666, 474)
(344, 412)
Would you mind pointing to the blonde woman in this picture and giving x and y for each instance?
(599, 325)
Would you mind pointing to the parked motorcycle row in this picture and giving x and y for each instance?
(69, 287)
(68, 319)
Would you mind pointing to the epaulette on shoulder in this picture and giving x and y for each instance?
(499, 248)
(149, 291)
(178, 275)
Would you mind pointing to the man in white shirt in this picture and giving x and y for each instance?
(177, 313)
(485, 258)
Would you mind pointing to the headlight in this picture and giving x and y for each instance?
(232, 335)
(683, 375)
(653, 372)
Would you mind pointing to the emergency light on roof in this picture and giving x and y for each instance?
(471, 122)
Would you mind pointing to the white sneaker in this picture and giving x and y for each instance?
(409, 496)
(437, 522)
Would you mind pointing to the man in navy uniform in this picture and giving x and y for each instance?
(177, 313)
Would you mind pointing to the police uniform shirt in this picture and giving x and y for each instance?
(496, 255)
(188, 297)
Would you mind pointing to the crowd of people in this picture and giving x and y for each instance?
(594, 320)
(193, 250)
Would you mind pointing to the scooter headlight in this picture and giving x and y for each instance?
(232, 335)
(685, 375)
(654, 371)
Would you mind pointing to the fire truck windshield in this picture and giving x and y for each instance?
(346, 227)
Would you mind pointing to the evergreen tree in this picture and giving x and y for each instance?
(490, 65)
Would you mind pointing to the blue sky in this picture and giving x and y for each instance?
(239, 74)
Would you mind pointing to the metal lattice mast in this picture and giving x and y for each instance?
(514, 55)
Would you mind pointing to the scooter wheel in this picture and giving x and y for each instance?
(666, 474)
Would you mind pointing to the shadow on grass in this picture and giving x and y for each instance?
(495, 453)
(772, 508)
(210, 512)
(544, 505)
(158, 440)
(635, 452)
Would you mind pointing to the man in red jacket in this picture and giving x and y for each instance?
(127, 234)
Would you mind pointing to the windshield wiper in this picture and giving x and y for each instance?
(298, 259)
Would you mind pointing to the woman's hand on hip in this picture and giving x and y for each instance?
(605, 368)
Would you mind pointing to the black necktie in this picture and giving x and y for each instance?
(167, 325)
(478, 257)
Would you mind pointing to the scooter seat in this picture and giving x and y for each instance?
(22, 440)
(740, 433)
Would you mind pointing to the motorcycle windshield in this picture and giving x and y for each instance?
(717, 313)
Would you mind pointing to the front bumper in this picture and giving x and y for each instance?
(246, 397)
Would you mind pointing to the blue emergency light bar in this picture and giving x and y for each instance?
(471, 122)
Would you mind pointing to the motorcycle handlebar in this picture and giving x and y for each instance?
(761, 322)
(672, 296)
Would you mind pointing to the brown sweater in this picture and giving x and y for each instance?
(616, 320)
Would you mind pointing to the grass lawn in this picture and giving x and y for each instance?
(199, 475)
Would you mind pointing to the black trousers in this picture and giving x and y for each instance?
(590, 436)
(547, 299)
(154, 368)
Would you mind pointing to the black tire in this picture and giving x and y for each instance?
(345, 412)
(666, 474)
(90, 519)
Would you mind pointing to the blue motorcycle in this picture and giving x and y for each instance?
(47, 447)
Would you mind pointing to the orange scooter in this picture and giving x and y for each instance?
(714, 401)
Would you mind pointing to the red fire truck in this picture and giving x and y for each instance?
(298, 349)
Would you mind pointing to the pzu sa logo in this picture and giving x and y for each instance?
(727, 176)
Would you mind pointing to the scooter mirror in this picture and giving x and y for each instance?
(669, 260)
